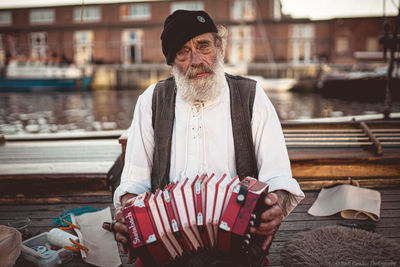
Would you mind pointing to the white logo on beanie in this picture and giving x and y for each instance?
(201, 19)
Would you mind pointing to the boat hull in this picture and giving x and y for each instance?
(359, 89)
(32, 84)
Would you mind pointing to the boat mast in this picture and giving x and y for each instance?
(391, 42)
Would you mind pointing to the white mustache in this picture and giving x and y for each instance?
(193, 71)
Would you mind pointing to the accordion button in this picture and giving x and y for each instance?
(248, 236)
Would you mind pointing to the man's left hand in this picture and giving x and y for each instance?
(271, 219)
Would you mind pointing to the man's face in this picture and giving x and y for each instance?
(198, 70)
(198, 55)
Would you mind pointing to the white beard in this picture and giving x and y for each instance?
(203, 89)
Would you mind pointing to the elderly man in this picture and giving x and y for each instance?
(202, 121)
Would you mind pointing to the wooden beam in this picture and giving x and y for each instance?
(376, 144)
(344, 138)
(324, 135)
(325, 144)
(317, 184)
(322, 131)
(50, 185)
(339, 170)
(123, 139)
(100, 196)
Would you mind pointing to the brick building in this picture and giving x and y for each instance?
(127, 33)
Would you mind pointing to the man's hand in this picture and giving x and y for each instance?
(272, 217)
(120, 229)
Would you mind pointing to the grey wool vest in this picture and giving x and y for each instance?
(242, 93)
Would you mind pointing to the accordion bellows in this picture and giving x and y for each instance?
(204, 213)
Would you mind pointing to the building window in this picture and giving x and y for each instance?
(241, 44)
(342, 46)
(135, 11)
(5, 18)
(132, 46)
(193, 5)
(302, 42)
(243, 10)
(38, 41)
(83, 41)
(372, 44)
(303, 31)
(90, 14)
(41, 16)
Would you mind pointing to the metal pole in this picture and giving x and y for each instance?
(393, 47)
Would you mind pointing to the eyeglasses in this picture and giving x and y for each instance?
(202, 48)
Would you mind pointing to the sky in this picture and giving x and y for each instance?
(326, 9)
(313, 9)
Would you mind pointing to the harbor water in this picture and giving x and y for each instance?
(60, 112)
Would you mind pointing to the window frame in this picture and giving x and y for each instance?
(372, 44)
(38, 48)
(35, 18)
(87, 11)
(248, 15)
(8, 18)
(136, 6)
(339, 42)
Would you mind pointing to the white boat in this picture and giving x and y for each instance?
(35, 75)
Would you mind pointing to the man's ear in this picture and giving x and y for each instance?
(218, 43)
(219, 46)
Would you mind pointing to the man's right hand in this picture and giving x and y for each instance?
(120, 229)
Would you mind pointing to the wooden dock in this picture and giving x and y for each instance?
(40, 179)
(298, 221)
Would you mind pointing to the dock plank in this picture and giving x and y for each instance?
(299, 220)
(59, 151)
(55, 167)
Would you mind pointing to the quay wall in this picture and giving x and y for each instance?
(135, 76)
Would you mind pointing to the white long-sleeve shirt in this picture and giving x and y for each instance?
(202, 142)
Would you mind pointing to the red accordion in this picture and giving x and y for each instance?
(205, 213)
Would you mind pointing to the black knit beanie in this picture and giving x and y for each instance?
(180, 27)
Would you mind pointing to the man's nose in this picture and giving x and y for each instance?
(196, 59)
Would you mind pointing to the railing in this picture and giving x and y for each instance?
(359, 136)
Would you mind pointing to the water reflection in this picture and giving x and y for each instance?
(52, 112)
(291, 106)
(66, 112)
